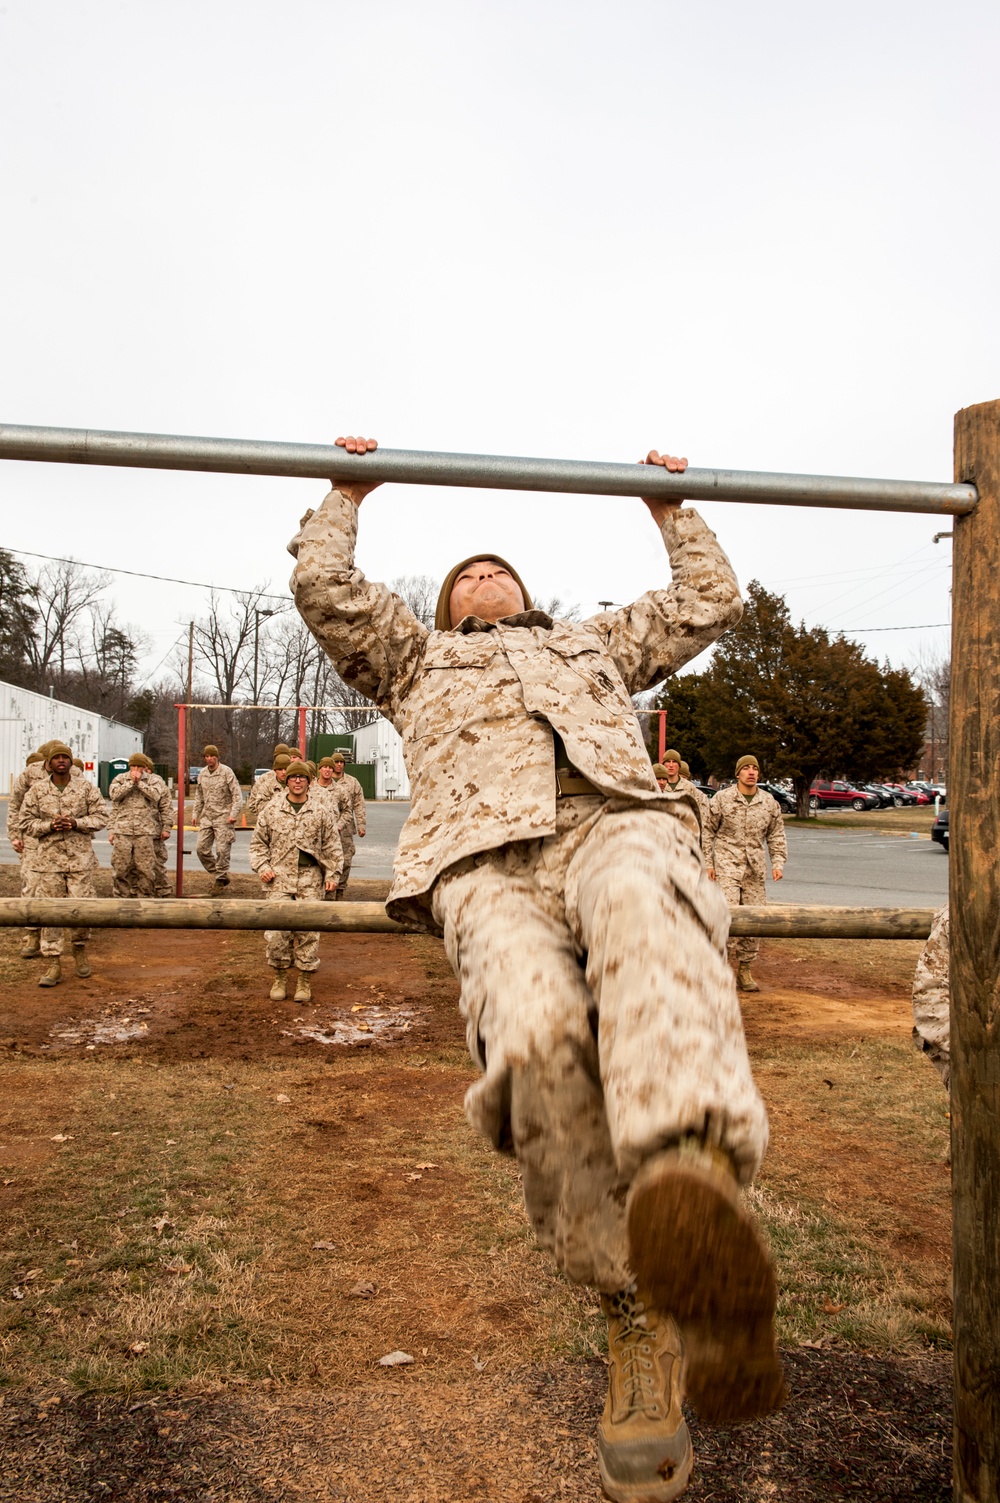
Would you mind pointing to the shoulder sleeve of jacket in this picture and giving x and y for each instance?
(260, 842)
(369, 633)
(96, 816)
(665, 629)
(777, 841)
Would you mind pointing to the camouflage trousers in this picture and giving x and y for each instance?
(28, 885)
(62, 885)
(750, 889)
(161, 884)
(599, 1005)
(220, 834)
(347, 841)
(133, 861)
(299, 947)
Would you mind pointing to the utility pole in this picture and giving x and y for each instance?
(183, 772)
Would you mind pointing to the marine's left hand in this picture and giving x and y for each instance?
(777, 873)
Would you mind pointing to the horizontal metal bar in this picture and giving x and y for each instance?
(782, 921)
(412, 467)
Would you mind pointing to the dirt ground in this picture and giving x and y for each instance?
(331, 1137)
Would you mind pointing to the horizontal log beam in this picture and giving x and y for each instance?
(162, 451)
(775, 921)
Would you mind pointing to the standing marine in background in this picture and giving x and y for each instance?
(742, 819)
(351, 800)
(218, 800)
(62, 812)
(268, 784)
(296, 852)
(142, 817)
(25, 847)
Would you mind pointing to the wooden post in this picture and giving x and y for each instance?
(974, 801)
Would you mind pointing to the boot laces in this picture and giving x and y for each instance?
(634, 1346)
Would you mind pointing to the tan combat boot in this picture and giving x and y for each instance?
(643, 1445)
(696, 1248)
(80, 959)
(277, 992)
(53, 975)
(744, 980)
(303, 992)
(32, 947)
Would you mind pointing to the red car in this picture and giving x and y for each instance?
(823, 795)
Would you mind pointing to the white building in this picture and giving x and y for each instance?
(382, 744)
(28, 719)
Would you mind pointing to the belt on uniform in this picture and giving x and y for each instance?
(570, 783)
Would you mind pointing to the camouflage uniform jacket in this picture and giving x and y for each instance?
(217, 795)
(932, 998)
(64, 850)
(24, 780)
(700, 800)
(280, 834)
(265, 788)
(143, 807)
(735, 833)
(476, 706)
(352, 803)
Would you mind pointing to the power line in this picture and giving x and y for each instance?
(137, 574)
(923, 626)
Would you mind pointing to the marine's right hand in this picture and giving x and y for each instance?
(711, 873)
(351, 488)
(266, 874)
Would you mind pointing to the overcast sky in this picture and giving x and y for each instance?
(763, 236)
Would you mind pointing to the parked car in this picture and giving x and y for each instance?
(785, 800)
(883, 794)
(837, 795)
(939, 829)
(907, 796)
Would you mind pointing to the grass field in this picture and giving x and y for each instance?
(223, 1217)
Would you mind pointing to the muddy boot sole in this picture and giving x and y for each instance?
(697, 1249)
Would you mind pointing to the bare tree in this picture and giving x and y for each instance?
(558, 609)
(933, 673)
(420, 592)
(64, 594)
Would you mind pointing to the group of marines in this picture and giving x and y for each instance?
(302, 845)
(737, 824)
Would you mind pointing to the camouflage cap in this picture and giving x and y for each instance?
(139, 759)
(442, 616)
(300, 769)
(338, 756)
(210, 751)
(672, 756)
(281, 761)
(58, 749)
(329, 761)
(747, 761)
